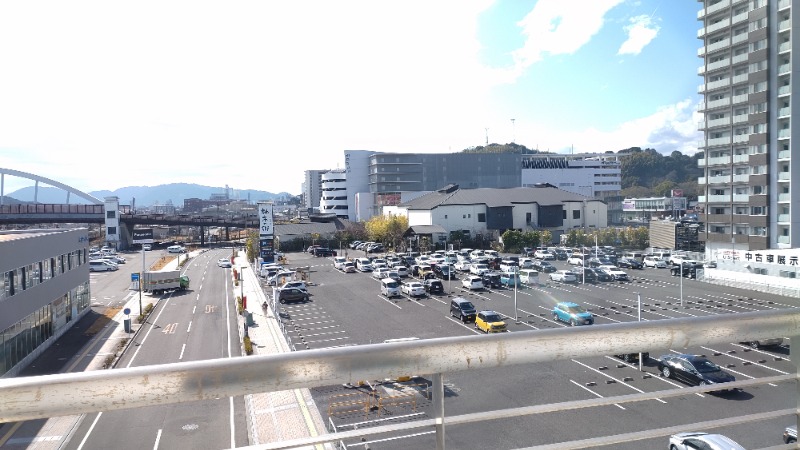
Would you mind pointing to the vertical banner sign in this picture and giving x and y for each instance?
(266, 232)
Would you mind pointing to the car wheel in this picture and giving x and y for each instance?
(627, 357)
(283, 301)
(666, 372)
(672, 447)
(573, 323)
(754, 344)
(555, 317)
(703, 383)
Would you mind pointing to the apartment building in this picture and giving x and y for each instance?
(746, 49)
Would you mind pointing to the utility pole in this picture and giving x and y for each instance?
(487, 135)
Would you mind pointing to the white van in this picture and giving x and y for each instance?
(529, 276)
(176, 249)
(390, 287)
(101, 265)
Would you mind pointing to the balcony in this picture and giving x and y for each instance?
(739, 18)
(719, 179)
(739, 138)
(741, 178)
(740, 99)
(785, 90)
(741, 158)
(718, 26)
(784, 68)
(784, 134)
(725, 198)
(785, 47)
(784, 154)
(741, 198)
(27, 398)
(784, 198)
(784, 240)
(719, 160)
(785, 218)
(739, 38)
(784, 176)
(701, 180)
(702, 161)
(725, 140)
(783, 4)
(783, 25)
(785, 112)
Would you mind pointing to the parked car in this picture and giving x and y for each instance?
(348, 267)
(617, 273)
(563, 276)
(655, 262)
(572, 313)
(629, 263)
(472, 282)
(323, 251)
(509, 279)
(101, 265)
(444, 271)
(413, 289)
(364, 264)
(338, 262)
(291, 295)
(765, 343)
(584, 272)
(601, 275)
(491, 280)
(525, 263)
(463, 265)
(295, 284)
(790, 434)
(632, 357)
(463, 309)
(544, 267)
(224, 262)
(710, 264)
(478, 269)
(433, 286)
(702, 441)
(380, 272)
(576, 259)
(544, 255)
(693, 370)
(490, 322)
(561, 254)
(401, 270)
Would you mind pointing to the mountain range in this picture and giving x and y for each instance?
(143, 196)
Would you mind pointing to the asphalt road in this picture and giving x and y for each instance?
(347, 309)
(191, 325)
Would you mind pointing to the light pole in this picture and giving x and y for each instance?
(639, 309)
(516, 282)
(680, 274)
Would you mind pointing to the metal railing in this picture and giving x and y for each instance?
(38, 397)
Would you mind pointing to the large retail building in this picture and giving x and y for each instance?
(44, 289)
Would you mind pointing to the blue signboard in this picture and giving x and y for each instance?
(134, 276)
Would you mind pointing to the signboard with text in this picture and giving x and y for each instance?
(142, 236)
(265, 222)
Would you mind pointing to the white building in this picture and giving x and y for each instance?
(334, 193)
(488, 212)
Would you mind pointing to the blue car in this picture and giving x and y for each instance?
(572, 313)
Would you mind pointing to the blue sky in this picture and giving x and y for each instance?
(101, 95)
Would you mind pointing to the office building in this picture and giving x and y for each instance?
(44, 290)
(746, 84)
(334, 193)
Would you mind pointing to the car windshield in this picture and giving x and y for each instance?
(493, 318)
(576, 309)
(705, 366)
(467, 305)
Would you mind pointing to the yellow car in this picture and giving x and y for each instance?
(490, 322)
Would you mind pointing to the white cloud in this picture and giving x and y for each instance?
(641, 32)
(670, 128)
(560, 27)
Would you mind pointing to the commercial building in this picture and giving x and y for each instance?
(374, 180)
(747, 65)
(44, 289)
(642, 210)
(489, 212)
(334, 193)
(312, 189)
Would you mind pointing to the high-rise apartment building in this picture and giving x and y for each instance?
(747, 88)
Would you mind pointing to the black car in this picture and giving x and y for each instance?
(689, 270)
(323, 251)
(631, 357)
(561, 255)
(693, 370)
(544, 266)
(629, 263)
(581, 272)
(433, 286)
(602, 275)
(444, 271)
(289, 295)
(491, 280)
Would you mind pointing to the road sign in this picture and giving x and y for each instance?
(127, 311)
(134, 276)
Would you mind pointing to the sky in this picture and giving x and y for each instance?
(102, 95)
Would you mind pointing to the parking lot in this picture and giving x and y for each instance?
(348, 309)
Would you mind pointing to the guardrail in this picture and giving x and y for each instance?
(38, 397)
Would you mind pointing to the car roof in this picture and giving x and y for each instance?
(568, 303)
(718, 440)
(488, 311)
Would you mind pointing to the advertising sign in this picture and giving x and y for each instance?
(142, 236)
(266, 225)
(677, 192)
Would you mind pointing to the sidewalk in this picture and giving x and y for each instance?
(273, 416)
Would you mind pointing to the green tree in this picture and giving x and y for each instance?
(512, 241)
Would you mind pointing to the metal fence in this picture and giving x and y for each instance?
(73, 393)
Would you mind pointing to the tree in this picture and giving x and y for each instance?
(386, 229)
(512, 241)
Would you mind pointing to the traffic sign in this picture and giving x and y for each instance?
(127, 311)
(134, 276)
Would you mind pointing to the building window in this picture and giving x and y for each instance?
(481, 217)
(576, 214)
(445, 216)
(112, 230)
(111, 214)
(760, 271)
(788, 274)
(528, 217)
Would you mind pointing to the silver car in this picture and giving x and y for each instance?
(696, 440)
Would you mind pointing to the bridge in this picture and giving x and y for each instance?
(95, 212)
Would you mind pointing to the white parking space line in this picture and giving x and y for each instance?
(472, 329)
(593, 392)
(745, 360)
(389, 301)
(324, 334)
(613, 378)
(746, 348)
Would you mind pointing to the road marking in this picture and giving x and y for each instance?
(389, 302)
(615, 379)
(10, 433)
(158, 439)
(182, 350)
(89, 431)
(593, 392)
(170, 328)
(189, 329)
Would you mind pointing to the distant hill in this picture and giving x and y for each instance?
(147, 195)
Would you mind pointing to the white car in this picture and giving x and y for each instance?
(338, 262)
(563, 276)
(224, 262)
(478, 269)
(653, 261)
(401, 270)
(379, 263)
(544, 255)
(348, 267)
(462, 265)
(413, 289)
(576, 259)
(701, 440)
(472, 282)
(526, 263)
(616, 272)
(295, 284)
(380, 272)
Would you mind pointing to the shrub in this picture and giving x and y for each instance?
(248, 345)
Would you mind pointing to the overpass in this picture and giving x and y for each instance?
(96, 212)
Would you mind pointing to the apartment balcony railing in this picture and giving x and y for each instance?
(739, 38)
(784, 217)
(741, 198)
(783, 90)
(784, 68)
(701, 180)
(784, 240)
(783, 25)
(784, 112)
(29, 398)
(701, 162)
(784, 197)
(739, 18)
(741, 138)
(784, 133)
(741, 178)
(739, 118)
(701, 199)
(725, 140)
(740, 99)
(720, 159)
(785, 47)
(741, 158)
(785, 176)
(784, 4)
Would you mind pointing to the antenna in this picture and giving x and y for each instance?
(487, 136)
(513, 132)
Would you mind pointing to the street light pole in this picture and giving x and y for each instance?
(639, 308)
(516, 281)
(680, 274)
